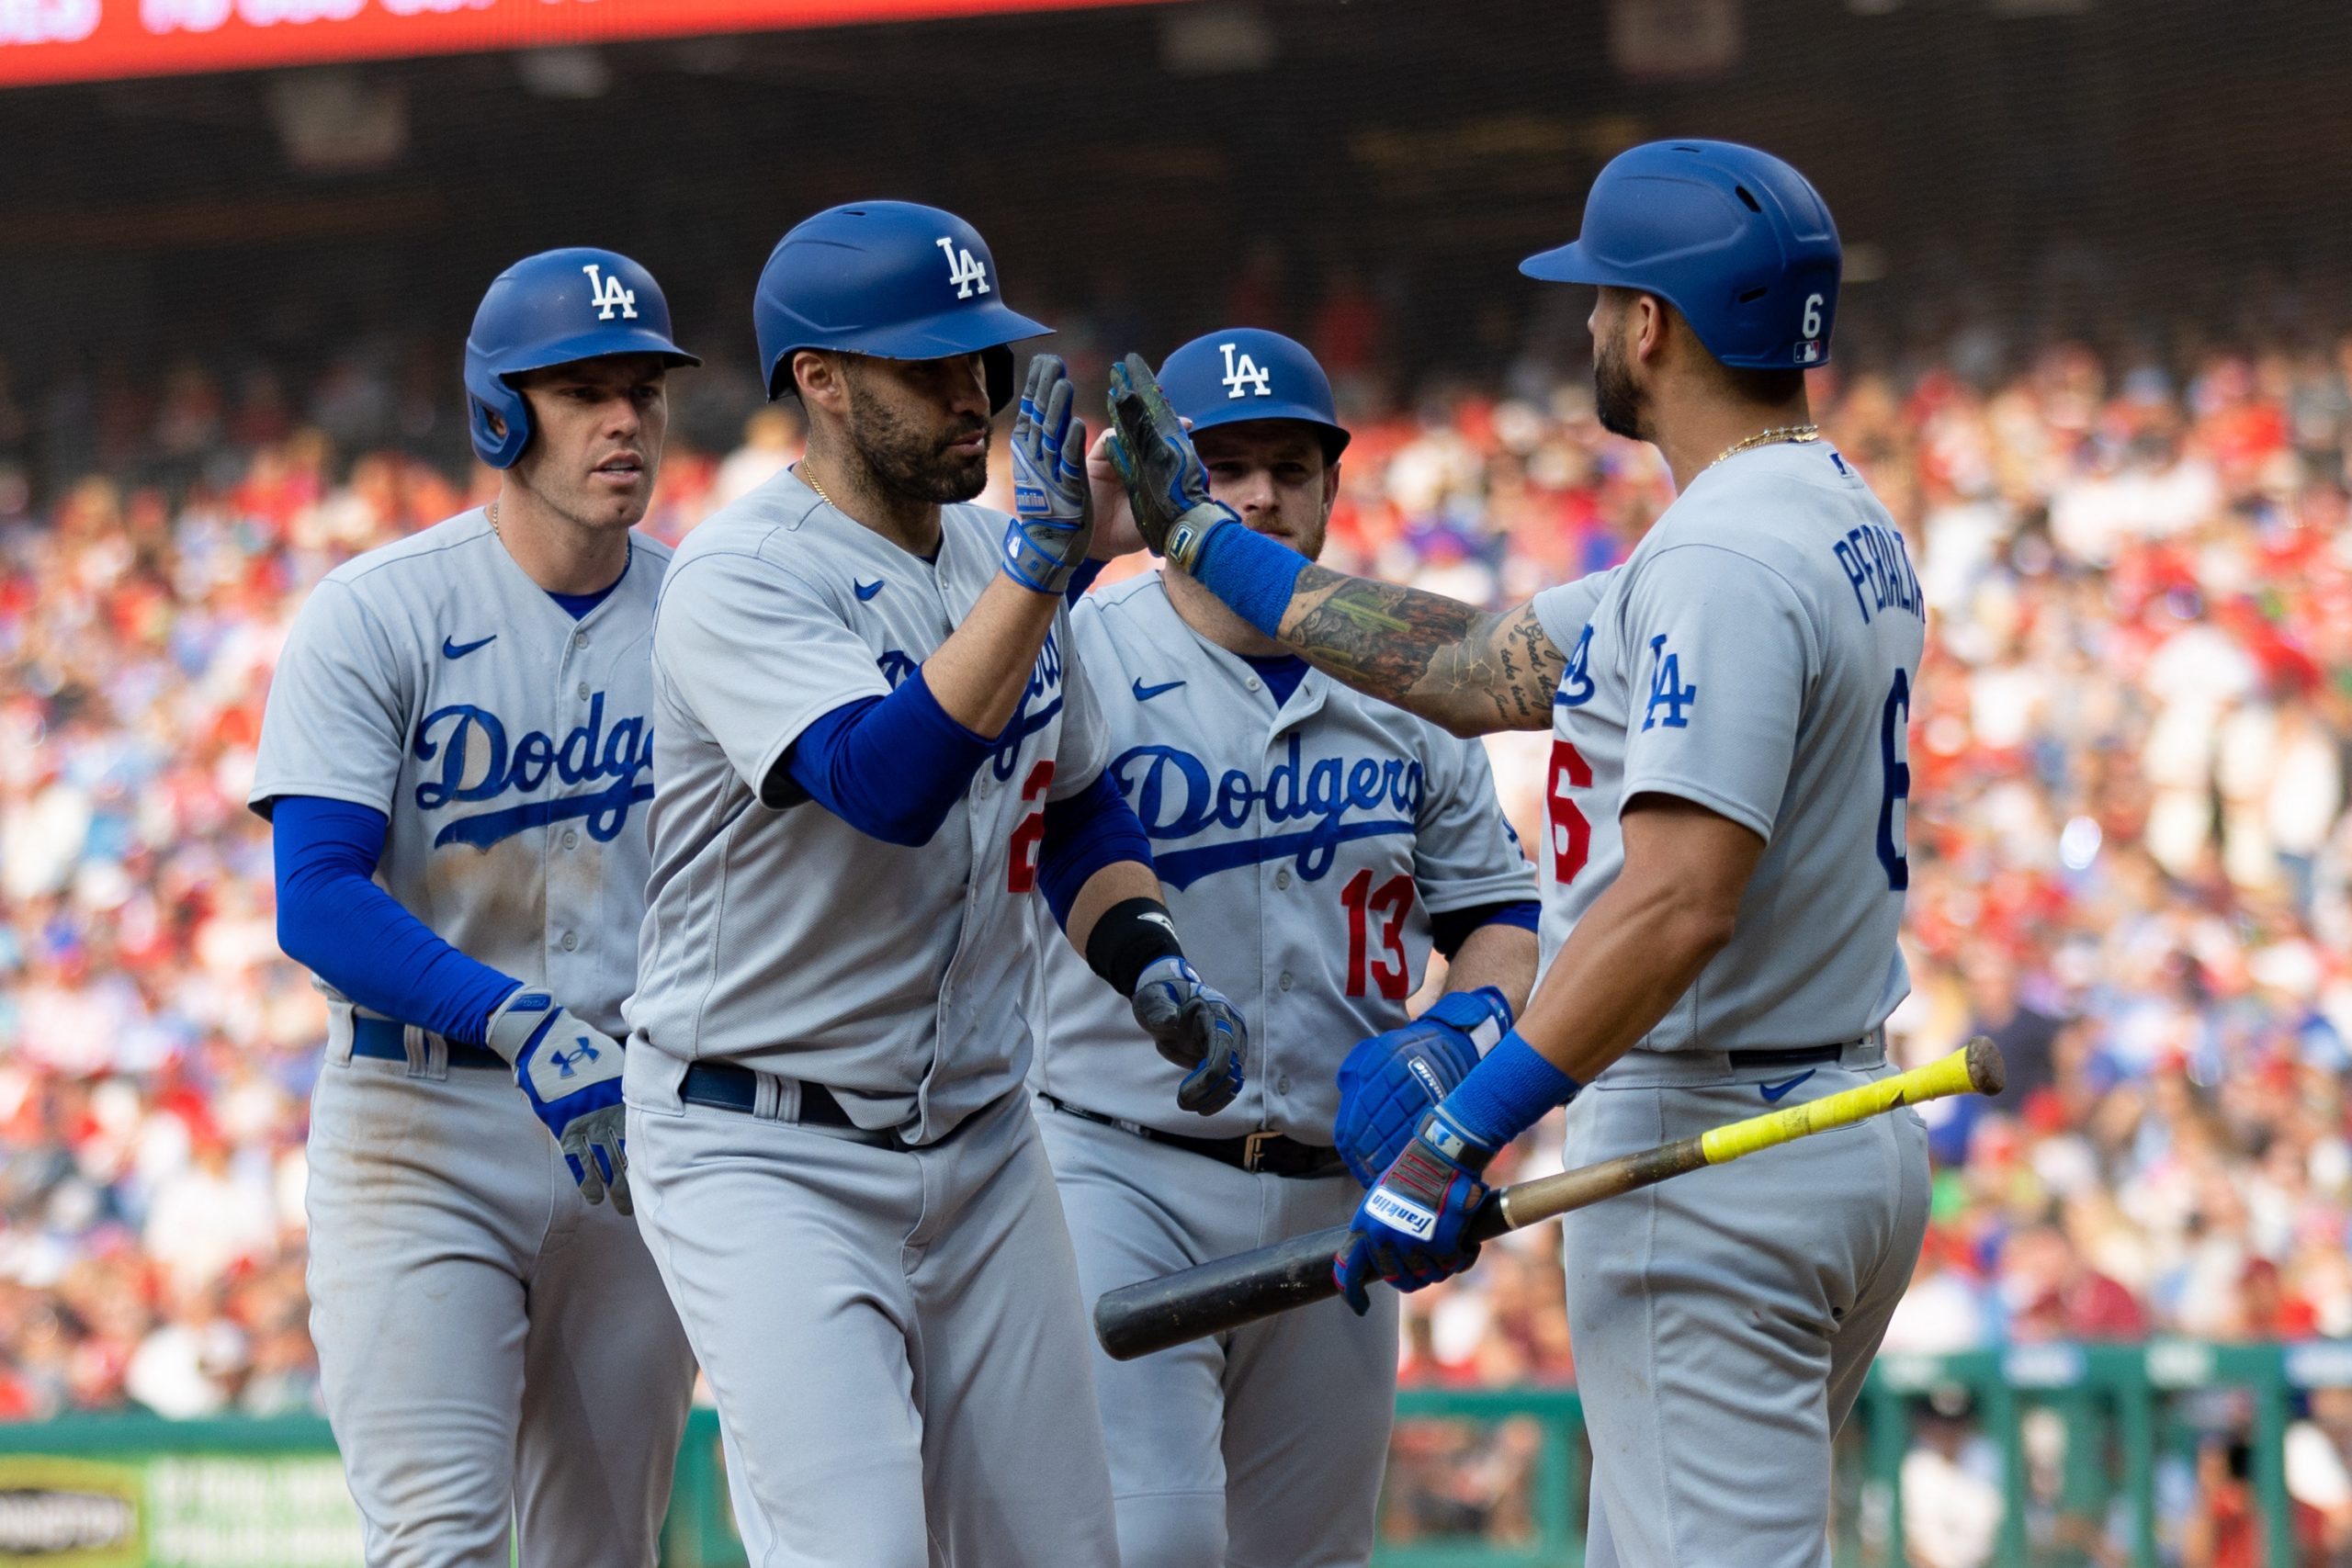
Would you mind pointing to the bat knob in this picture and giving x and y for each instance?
(1986, 1072)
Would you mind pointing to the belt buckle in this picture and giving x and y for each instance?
(1253, 1147)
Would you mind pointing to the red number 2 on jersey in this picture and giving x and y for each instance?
(1384, 909)
(1029, 834)
(1571, 833)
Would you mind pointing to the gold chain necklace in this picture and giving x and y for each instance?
(493, 520)
(1790, 433)
(810, 480)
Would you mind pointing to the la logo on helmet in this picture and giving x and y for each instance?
(964, 269)
(607, 295)
(1243, 372)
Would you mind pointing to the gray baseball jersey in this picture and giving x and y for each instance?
(498, 1358)
(1756, 654)
(1303, 850)
(508, 745)
(776, 936)
(880, 1326)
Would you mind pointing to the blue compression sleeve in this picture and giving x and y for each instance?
(1449, 930)
(1509, 1092)
(1254, 575)
(890, 767)
(1093, 828)
(335, 922)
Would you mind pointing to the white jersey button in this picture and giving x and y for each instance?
(570, 941)
(1282, 878)
(579, 639)
(1252, 682)
(1285, 981)
(584, 691)
(571, 840)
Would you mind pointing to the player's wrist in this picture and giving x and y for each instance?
(1483, 1014)
(1255, 576)
(1129, 938)
(520, 1018)
(1509, 1092)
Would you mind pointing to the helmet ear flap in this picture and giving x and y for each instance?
(997, 362)
(497, 449)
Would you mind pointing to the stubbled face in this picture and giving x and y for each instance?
(597, 428)
(1618, 402)
(1274, 472)
(922, 425)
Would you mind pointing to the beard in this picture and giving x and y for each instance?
(1617, 402)
(906, 461)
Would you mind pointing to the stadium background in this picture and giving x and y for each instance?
(2093, 353)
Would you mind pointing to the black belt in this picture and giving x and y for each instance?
(1276, 1154)
(1795, 1056)
(726, 1085)
(387, 1041)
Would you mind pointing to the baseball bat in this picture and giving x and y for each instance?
(1153, 1314)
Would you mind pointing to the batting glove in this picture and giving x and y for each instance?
(1195, 1028)
(1167, 487)
(1410, 1228)
(1390, 1081)
(1053, 509)
(570, 1073)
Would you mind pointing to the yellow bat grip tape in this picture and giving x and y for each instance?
(1937, 1080)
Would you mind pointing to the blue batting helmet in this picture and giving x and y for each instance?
(551, 308)
(1735, 239)
(1247, 373)
(890, 279)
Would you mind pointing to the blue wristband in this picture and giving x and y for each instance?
(1509, 1092)
(1254, 575)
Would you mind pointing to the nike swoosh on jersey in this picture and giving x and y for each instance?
(450, 650)
(1774, 1093)
(1145, 693)
(868, 590)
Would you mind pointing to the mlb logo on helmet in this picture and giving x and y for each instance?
(964, 273)
(1243, 374)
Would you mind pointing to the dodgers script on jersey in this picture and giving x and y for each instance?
(507, 745)
(1302, 853)
(1756, 655)
(780, 937)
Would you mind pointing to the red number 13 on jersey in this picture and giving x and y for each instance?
(1570, 833)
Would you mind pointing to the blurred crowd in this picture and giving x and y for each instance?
(2128, 855)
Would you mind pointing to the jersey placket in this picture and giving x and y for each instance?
(574, 911)
(1281, 891)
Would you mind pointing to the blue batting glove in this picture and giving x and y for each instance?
(1195, 1028)
(1408, 1229)
(570, 1073)
(1168, 487)
(1390, 1081)
(1053, 509)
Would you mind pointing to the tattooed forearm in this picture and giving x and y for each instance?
(1457, 666)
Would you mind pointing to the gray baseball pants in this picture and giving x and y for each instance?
(498, 1358)
(1259, 1448)
(894, 1336)
(1724, 1320)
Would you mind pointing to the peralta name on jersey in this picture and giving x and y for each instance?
(1876, 563)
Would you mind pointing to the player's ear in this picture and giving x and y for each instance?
(1650, 326)
(818, 375)
(497, 425)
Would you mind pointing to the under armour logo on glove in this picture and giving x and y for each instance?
(575, 1093)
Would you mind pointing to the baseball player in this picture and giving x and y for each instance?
(1319, 844)
(1724, 869)
(872, 749)
(455, 762)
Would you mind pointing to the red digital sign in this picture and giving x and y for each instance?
(83, 41)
